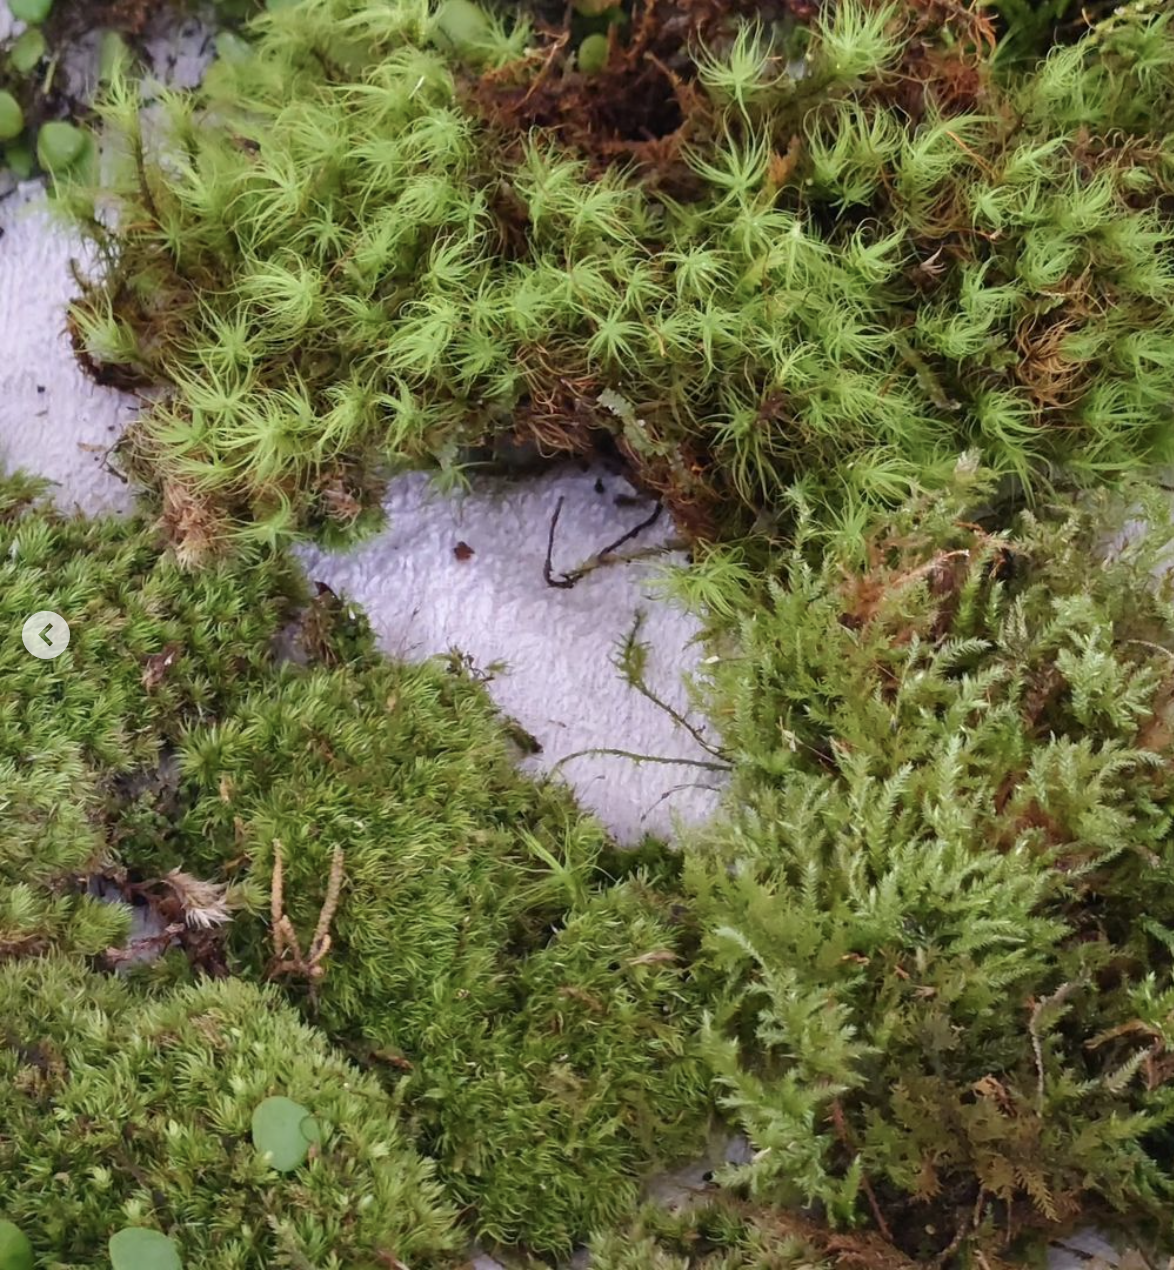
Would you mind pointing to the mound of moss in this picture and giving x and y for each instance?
(461, 930)
(538, 1018)
(120, 1110)
(737, 254)
(943, 901)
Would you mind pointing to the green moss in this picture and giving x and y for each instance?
(537, 1020)
(944, 896)
(120, 1110)
(75, 730)
(720, 1233)
(834, 281)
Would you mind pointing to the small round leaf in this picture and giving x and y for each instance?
(19, 159)
(461, 25)
(593, 54)
(114, 56)
(137, 1248)
(32, 11)
(59, 145)
(231, 47)
(16, 1253)
(27, 50)
(11, 117)
(283, 1132)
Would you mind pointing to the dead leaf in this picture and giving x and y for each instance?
(158, 664)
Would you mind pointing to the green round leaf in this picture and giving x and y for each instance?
(231, 47)
(137, 1248)
(27, 50)
(283, 1132)
(59, 145)
(593, 54)
(461, 25)
(16, 1253)
(19, 158)
(11, 117)
(31, 11)
(114, 56)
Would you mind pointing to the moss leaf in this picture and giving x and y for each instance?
(59, 145)
(30, 10)
(11, 117)
(27, 50)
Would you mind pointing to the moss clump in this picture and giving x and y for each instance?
(537, 1016)
(842, 274)
(945, 894)
(76, 731)
(722, 1233)
(120, 1110)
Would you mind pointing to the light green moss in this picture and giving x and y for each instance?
(119, 1110)
(851, 290)
(944, 897)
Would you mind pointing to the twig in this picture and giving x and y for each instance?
(547, 567)
(144, 942)
(647, 523)
(604, 556)
(676, 789)
(642, 758)
(556, 48)
(845, 1136)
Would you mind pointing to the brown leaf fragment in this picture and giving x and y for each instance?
(158, 664)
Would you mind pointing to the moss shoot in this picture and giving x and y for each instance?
(843, 252)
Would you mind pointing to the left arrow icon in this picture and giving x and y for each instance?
(45, 634)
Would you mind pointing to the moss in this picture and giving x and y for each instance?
(75, 730)
(120, 1110)
(943, 898)
(841, 278)
(720, 1233)
(536, 1018)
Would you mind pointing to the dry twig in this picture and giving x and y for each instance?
(288, 958)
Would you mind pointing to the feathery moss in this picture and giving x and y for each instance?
(943, 898)
(849, 252)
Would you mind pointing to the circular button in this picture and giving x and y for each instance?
(46, 635)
